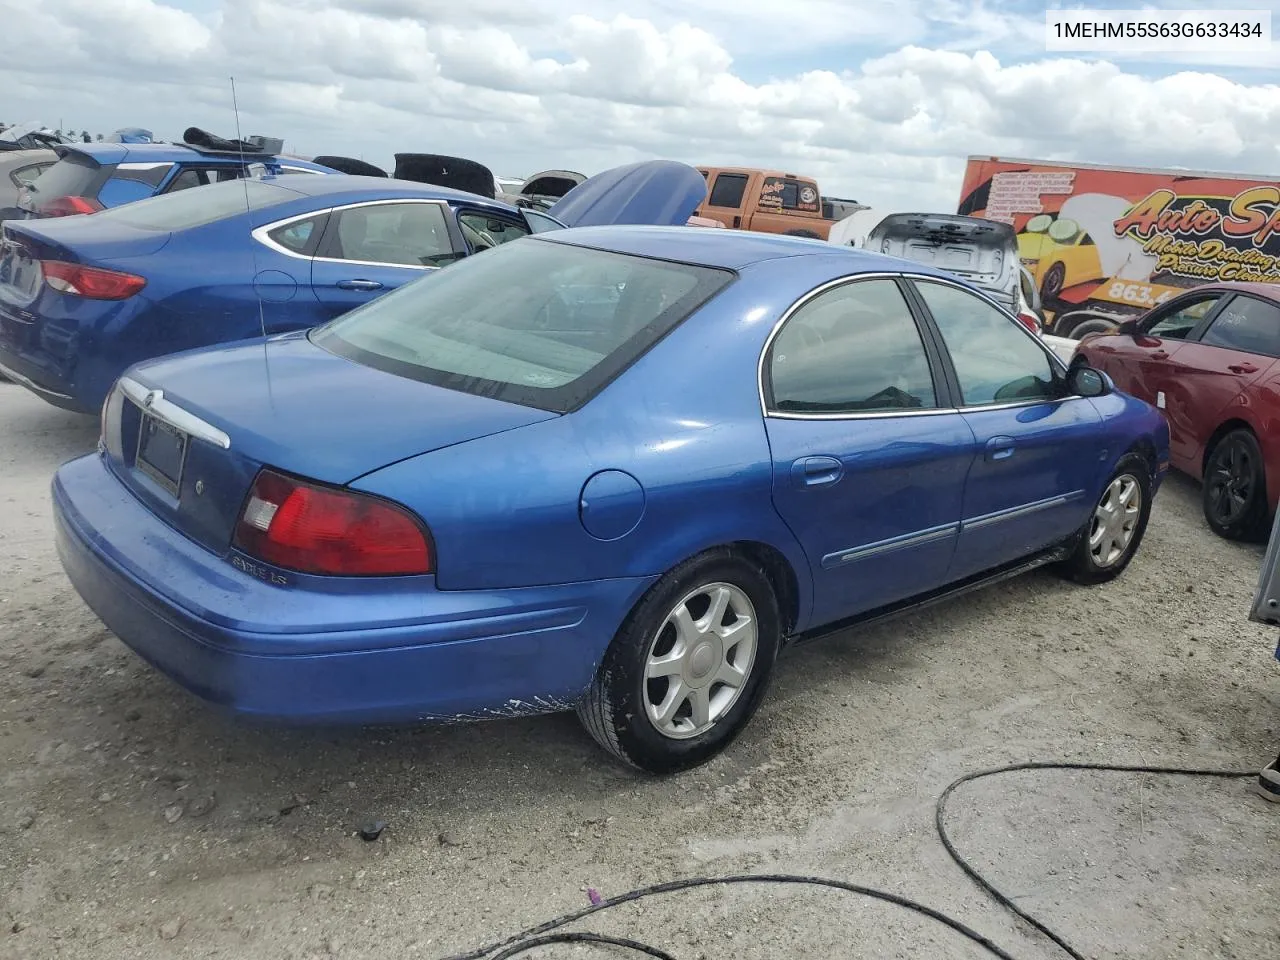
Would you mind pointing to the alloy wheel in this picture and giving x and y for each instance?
(1230, 482)
(1115, 520)
(699, 660)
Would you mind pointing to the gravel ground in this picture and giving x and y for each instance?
(135, 822)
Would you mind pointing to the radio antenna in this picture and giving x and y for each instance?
(248, 215)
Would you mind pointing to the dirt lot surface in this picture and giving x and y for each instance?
(135, 822)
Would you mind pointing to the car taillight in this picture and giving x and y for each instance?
(69, 207)
(92, 283)
(1030, 321)
(313, 529)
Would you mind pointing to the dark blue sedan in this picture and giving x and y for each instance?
(612, 470)
(82, 298)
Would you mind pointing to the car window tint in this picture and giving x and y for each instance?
(74, 175)
(537, 322)
(1179, 324)
(185, 180)
(1248, 325)
(195, 208)
(728, 190)
(484, 232)
(540, 222)
(150, 174)
(995, 360)
(853, 349)
(404, 234)
(297, 235)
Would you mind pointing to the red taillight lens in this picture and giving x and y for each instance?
(313, 529)
(92, 283)
(1030, 321)
(69, 207)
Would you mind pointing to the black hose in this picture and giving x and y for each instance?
(541, 935)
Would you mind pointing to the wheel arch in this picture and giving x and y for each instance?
(778, 569)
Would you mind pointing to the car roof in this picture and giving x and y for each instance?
(733, 249)
(346, 188)
(1267, 291)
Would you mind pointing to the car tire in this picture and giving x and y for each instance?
(1051, 286)
(624, 707)
(1092, 325)
(1116, 524)
(1233, 494)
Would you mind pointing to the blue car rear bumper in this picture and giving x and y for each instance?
(394, 655)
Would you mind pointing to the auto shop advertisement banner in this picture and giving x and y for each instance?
(1103, 242)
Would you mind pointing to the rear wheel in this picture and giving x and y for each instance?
(689, 666)
(1114, 529)
(1234, 493)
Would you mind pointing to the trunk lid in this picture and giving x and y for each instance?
(983, 252)
(654, 192)
(284, 403)
(457, 173)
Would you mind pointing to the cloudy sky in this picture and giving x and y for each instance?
(879, 99)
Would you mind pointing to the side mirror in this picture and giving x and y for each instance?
(1128, 328)
(1085, 381)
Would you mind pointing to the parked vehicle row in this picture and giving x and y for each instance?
(82, 298)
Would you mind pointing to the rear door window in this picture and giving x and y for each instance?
(394, 234)
(728, 190)
(299, 236)
(202, 176)
(854, 349)
(1248, 325)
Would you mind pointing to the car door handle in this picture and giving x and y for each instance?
(1242, 368)
(1160, 355)
(816, 471)
(1000, 448)
(359, 285)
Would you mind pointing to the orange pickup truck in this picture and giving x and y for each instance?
(767, 201)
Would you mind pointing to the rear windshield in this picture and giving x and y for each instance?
(198, 206)
(533, 322)
(75, 175)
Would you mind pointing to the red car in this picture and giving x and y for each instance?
(1208, 359)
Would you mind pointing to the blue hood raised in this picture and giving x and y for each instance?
(652, 193)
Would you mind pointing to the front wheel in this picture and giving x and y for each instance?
(1234, 493)
(1114, 529)
(689, 666)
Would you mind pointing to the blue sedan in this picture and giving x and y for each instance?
(607, 469)
(82, 298)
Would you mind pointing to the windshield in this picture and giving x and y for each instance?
(533, 322)
(196, 207)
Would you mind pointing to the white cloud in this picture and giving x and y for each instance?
(525, 86)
